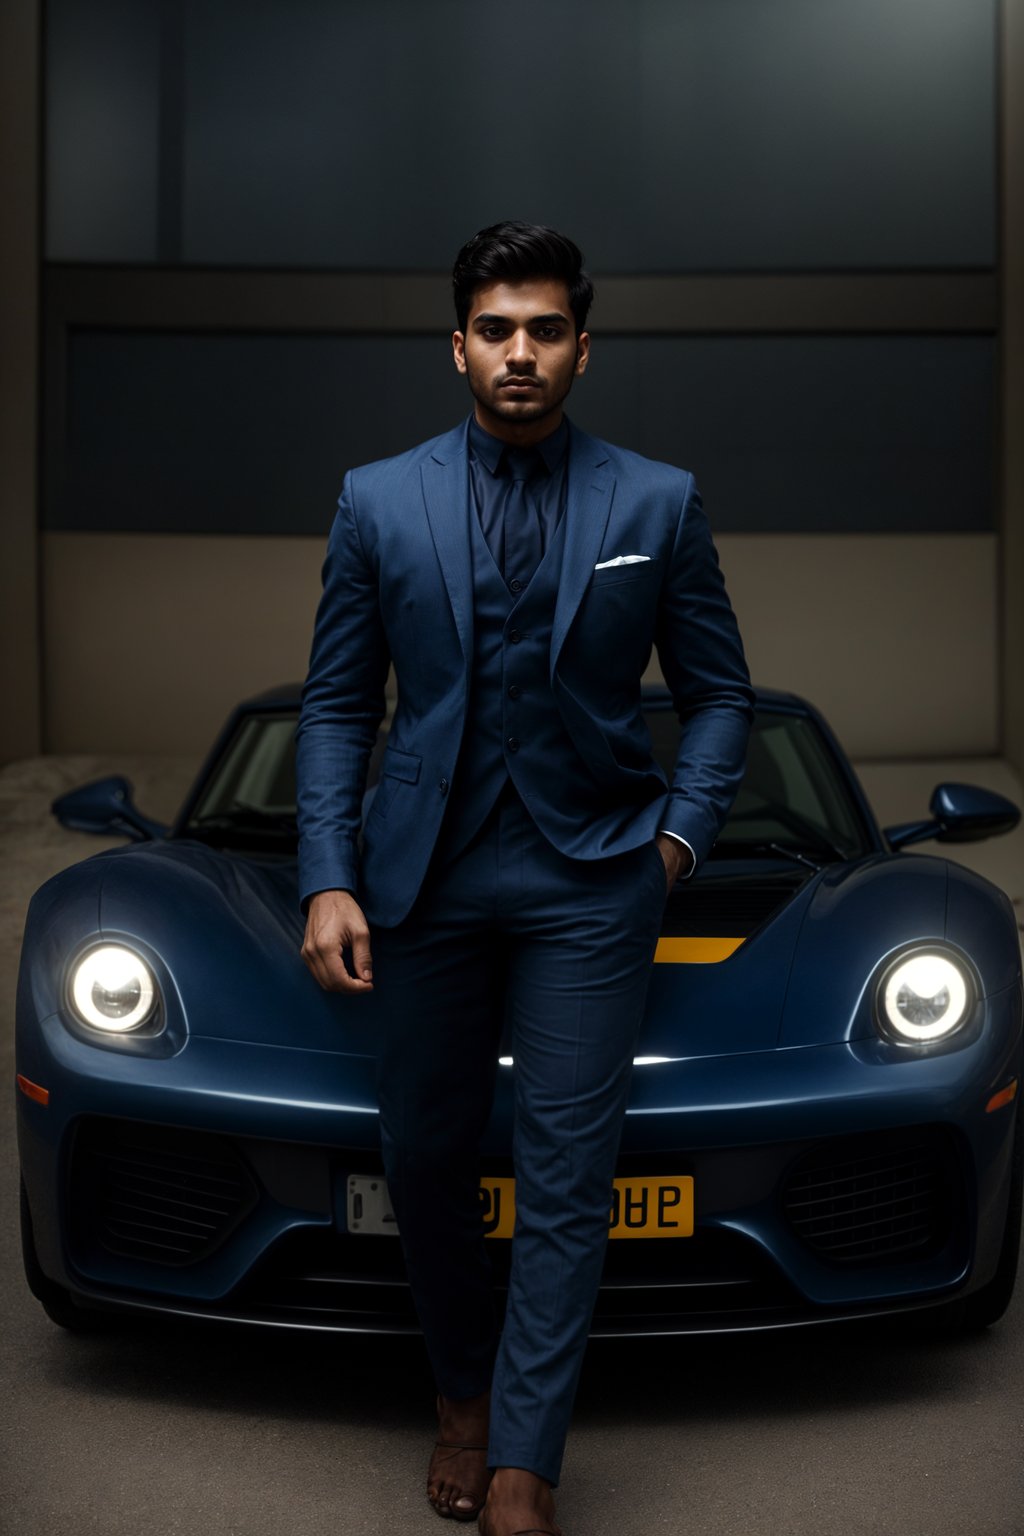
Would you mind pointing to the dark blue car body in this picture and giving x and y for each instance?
(204, 1166)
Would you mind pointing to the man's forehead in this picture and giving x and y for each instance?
(534, 299)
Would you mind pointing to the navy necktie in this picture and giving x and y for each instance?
(518, 539)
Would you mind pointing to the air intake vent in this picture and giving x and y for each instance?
(156, 1193)
(873, 1199)
(723, 907)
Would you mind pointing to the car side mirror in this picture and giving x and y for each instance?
(106, 806)
(961, 813)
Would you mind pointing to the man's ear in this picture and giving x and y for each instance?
(459, 350)
(582, 352)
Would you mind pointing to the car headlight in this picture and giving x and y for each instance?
(924, 996)
(112, 988)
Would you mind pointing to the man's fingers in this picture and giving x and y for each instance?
(362, 959)
(328, 966)
(336, 924)
(318, 964)
(331, 972)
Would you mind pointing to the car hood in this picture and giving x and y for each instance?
(229, 931)
(800, 977)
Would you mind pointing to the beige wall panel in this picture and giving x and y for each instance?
(893, 637)
(151, 639)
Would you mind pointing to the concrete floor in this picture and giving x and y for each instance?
(161, 1430)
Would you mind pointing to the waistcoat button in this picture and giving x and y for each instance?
(442, 785)
(515, 585)
(514, 691)
(515, 635)
(512, 744)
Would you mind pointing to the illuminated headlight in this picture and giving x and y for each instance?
(924, 996)
(112, 988)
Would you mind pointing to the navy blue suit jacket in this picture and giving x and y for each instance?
(398, 587)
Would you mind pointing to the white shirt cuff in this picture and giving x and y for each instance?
(664, 832)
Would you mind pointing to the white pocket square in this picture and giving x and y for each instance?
(603, 565)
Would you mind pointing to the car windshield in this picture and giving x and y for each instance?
(248, 800)
(793, 799)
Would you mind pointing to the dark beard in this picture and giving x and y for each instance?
(521, 410)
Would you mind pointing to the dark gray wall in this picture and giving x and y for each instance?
(667, 135)
(20, 670)
(252, 434)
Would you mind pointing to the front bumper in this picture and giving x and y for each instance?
(926, 1174)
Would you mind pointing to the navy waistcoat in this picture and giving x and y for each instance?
(513, 727)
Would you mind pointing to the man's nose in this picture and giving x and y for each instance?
(520, 356)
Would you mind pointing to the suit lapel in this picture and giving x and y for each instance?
(446, 496)
(444, 478)
(591, 487)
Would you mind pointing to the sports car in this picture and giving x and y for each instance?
(824, 1121)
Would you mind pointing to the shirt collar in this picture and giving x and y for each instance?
(489, 449)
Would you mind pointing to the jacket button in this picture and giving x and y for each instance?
(512, 744)
(515, 635)
(442, 785)
(515, 585)
(514, 691)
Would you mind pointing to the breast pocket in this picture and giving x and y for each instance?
(615, 575)
(614, 626)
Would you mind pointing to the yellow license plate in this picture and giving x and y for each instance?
(641, 1207)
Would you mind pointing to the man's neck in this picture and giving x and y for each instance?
(519, 434)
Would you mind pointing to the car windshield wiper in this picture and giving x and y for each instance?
(791, 853)
(739, 846)
(811, 837)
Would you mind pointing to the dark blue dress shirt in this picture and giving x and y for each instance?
(519, 497)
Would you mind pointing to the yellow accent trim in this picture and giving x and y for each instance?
(694, 951)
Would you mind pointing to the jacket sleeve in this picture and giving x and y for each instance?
(343, 703)
(701, 655)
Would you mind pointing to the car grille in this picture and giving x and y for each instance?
(873, 1199)
(156, 1193)
(323, 1279)
(168, 1198)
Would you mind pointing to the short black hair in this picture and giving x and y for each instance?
(512, 252)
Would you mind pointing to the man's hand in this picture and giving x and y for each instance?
(335, 922)
(678, 858)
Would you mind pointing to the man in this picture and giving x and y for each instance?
(521, 842)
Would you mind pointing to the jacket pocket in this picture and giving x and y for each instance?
(396, 767)
(613, 575)
(397, 764)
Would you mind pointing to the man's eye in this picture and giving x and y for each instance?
(492, 332)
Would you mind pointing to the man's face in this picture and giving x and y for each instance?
(520, 354)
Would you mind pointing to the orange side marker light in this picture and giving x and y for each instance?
(1004, 1096)
(32, 1090)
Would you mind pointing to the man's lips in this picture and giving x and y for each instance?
(519, 384)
